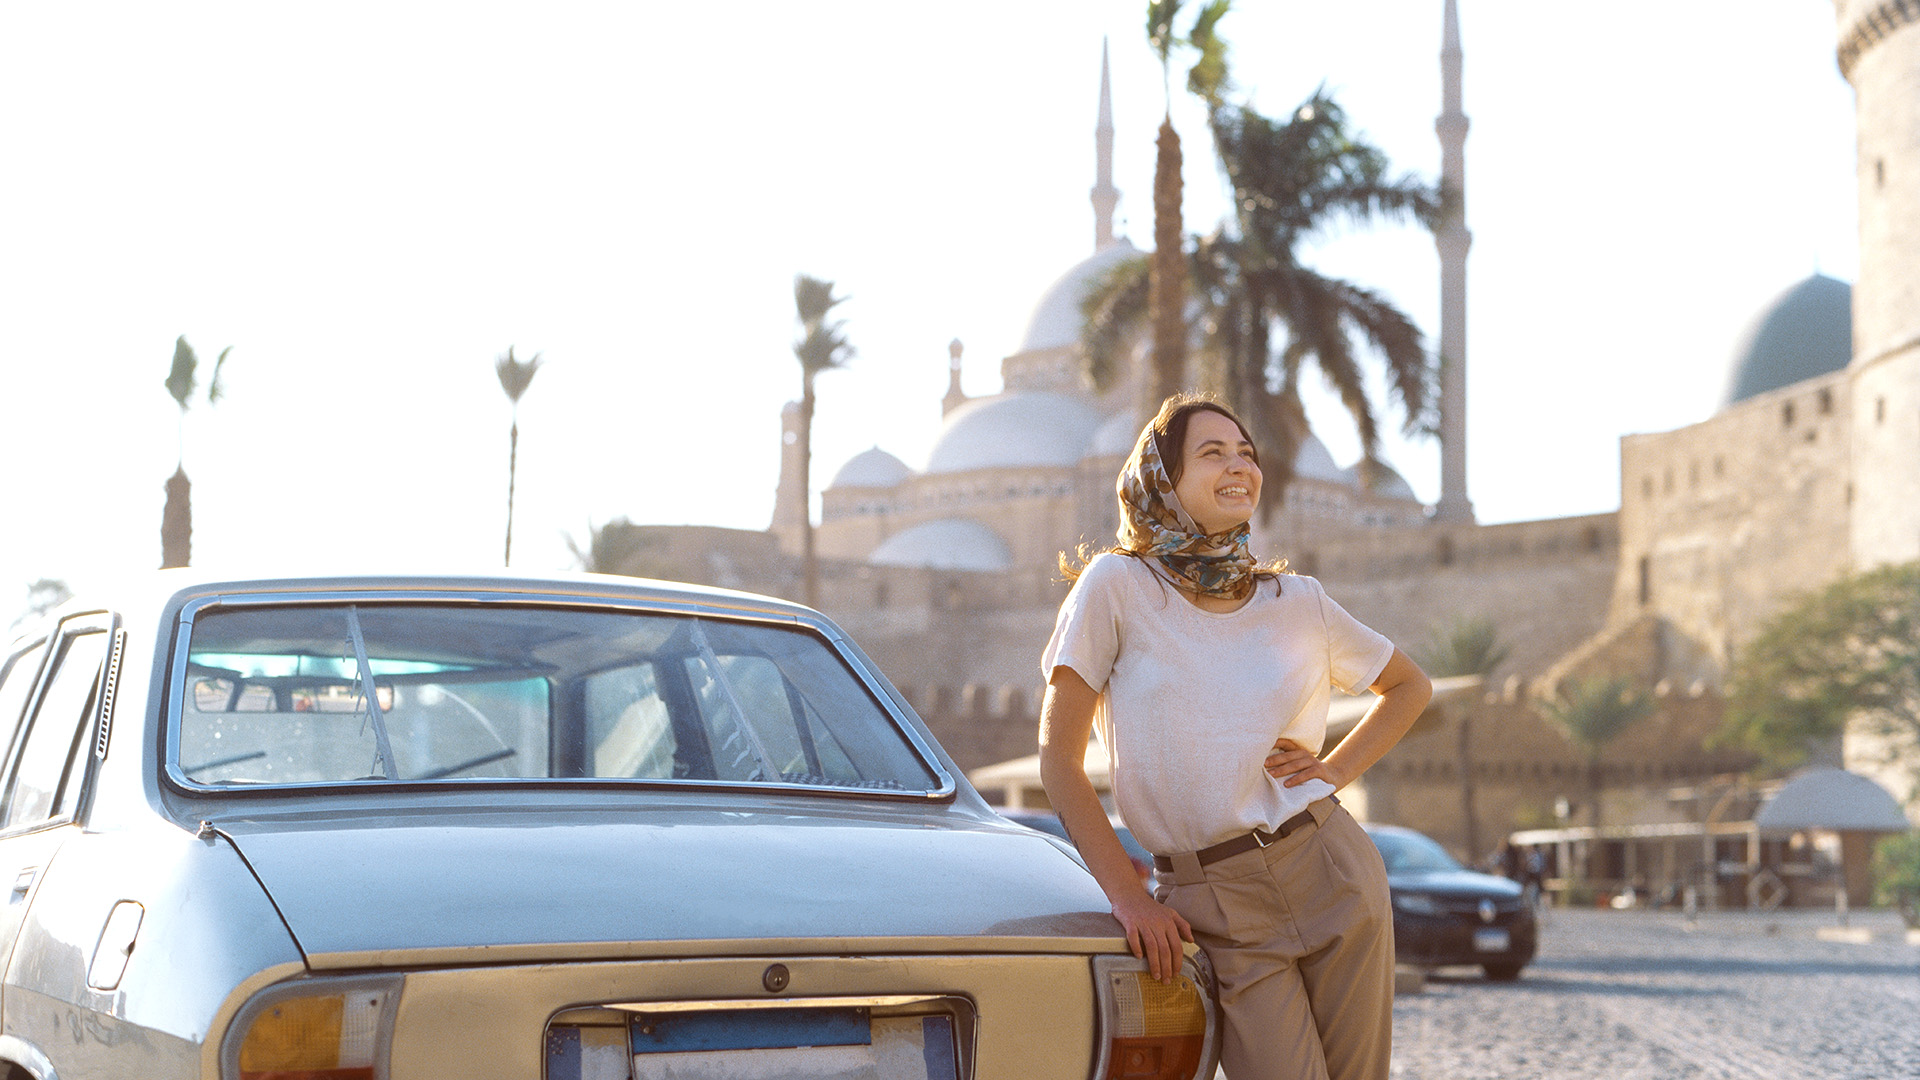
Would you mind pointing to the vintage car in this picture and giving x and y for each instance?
(352, 828)
(1447, 915)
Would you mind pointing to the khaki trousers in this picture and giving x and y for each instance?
(1301, 936)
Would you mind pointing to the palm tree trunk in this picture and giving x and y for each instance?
(176, 522)
(513, 463)
(809, 564)
(1167, 283)
(1466, 786)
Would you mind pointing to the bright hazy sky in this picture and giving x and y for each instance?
(371, 201)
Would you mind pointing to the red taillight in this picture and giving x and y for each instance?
(1172, 1057)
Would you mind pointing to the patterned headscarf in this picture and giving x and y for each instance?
(1153, 524)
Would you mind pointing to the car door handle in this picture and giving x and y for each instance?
(22, 882)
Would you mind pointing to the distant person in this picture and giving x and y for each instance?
(1208, 674)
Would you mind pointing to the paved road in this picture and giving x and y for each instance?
(1634, 994)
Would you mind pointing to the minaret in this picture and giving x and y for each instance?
(956, 397)
(790, 509)
(1453, 239)
(1105, 195)
(1879, 54)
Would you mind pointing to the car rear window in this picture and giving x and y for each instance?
(368, 693)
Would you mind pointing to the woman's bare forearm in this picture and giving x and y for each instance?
(1404, 693)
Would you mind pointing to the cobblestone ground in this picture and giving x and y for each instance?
(1636, 994)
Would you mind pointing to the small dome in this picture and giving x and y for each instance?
(1315, 462)
(1829, 798)
(1032, 428)
(1056, 319)
(945, 544)
(873, 468)
(1806, 331)
(1115, 437)
(1387, 483)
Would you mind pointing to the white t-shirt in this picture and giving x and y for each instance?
(1191, 701)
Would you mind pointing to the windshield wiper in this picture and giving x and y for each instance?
(382, 749)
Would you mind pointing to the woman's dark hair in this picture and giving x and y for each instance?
(1169, 427)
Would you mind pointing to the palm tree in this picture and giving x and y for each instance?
(1466, 646)
(515, 377)
(1593, 712)
(1167, 275)
(1264, 315)
(176, 518)
(822, 347)
(618, 547)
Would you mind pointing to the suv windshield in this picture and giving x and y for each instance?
(1413, 853)
(325, 694)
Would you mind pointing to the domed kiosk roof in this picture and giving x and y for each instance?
(873, 468)
(1031, 428)
(1806, 331)
(1829, 798)
(944, 544)
(1056, 319)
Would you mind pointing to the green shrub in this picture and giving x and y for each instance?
(1896, 875)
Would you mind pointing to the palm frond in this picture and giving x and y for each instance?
(1468, 645)
(516, 375)
(215, 390)
(1114, 311)
(180, 379)
(1208, 76)
(1595, 711)
(1160, 16)
(822, 347)
(813, 298)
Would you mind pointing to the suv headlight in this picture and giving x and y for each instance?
(1151, 1030)
(320, 1029)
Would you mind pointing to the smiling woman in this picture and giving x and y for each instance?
(1211, 691)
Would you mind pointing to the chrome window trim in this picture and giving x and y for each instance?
(945, 789)
(106, 685)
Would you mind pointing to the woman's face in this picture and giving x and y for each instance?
(1219, 482)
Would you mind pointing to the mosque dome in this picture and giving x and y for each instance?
(1806, 331)
(1315, 462)
(1387, 482)
(944, 544)
(873, 468)
(1056, 319)
(1013, 430)
(1115, 436)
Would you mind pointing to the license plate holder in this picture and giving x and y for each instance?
(789, 1044)
(1492, 939)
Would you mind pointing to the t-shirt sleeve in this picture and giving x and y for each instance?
(1356, 653)
(1086, 635)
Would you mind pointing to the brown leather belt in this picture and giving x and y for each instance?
(1258, 838)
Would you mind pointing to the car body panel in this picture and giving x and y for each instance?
(536, 884)
(1025, 1002)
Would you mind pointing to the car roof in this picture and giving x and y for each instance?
(159, 590)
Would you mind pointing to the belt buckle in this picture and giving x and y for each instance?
(1262, 837)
